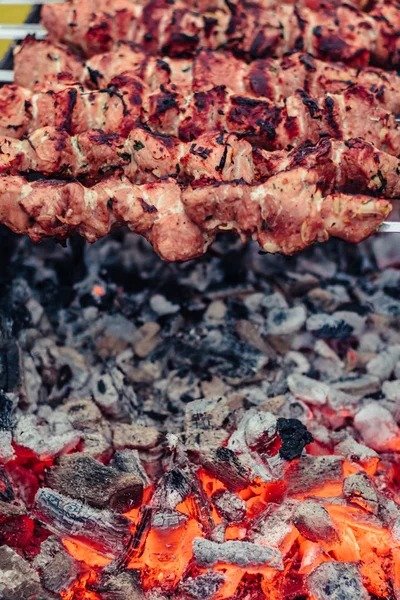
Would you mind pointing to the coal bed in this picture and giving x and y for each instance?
(222, 428)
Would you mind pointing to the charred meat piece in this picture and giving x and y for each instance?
(126, 101)
(286, 213)
(334, 33)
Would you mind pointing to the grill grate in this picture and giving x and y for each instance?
(32, 27)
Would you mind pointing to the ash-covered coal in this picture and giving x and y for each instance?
(241, 411)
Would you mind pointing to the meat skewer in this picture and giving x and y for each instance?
(336, 34)
(354, 165)
(275, 79)
(285, 214)
(126, 102)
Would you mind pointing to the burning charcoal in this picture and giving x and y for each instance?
(173, 489)
(134, 436)
(294, 437)
(242, 554)
(275, 525)
(168, 519)
(101, 529)
(202, 587)
(16, 527)
(360, 489)
(229, 506)
(88, 480)
(203, 423)
(58, 570)
(128, 461)
(310, 390)
(353, 451)
(337, 581)
(286, 321)
(296, 362)
(18, 581)
(10, 366)
(260, 433)
(45, 440)
(227, 467)
(122, 586)
(311, 472)
(377, 427)
(329, 327)
(6, 491)
(314, 523)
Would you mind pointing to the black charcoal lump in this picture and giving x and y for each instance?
(242, 554)
(294, 437)
(337, 581)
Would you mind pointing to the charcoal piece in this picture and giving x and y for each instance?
(168, 519)
(15, 526)
(202, 587)
(82, 414)
(135, 436)
(115, 397)
(286, 321)
(10, 366)
(307, 389)
(88, 480)
(18, 581)
(103, 530)
(128, 461)
(260, 433)
(47, 439)
(226, 466)
(120, 586)
(354, 451)
(377, 427)
(294, 437)
(314, 523)
(329, 327)
(229, 506)
(337, 581)
(6, 490)
(7, 451)
(360, 489)
(57, 568)
(272, 527)
(312, 472)
(6, 408)
(204, 422)
(242, 554)
(173, 488)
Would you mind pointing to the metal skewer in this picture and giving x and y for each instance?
(18, 32)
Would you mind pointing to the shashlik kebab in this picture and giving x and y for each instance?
(145, 157)
(36, 61)
(166, 27)
(125, 103)
(285, 214)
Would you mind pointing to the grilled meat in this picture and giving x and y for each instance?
(143, 156)
(126, 101)
(341, 33)
(286, 213)
(354, 165)
(275, 79)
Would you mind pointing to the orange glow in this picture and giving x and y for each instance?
(167, 554)
(98, 290)
(85, 554)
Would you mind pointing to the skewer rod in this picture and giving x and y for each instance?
(390, 227)
(18, 32)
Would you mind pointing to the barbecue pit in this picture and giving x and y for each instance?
(222, 428)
